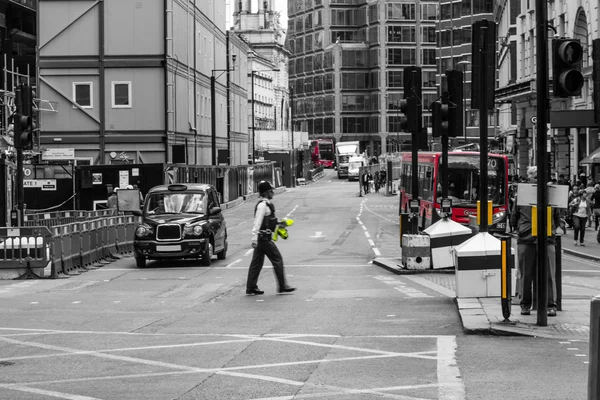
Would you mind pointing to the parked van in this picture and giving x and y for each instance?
(354, 164)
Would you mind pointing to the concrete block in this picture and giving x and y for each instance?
(446, 234)
(416, 252)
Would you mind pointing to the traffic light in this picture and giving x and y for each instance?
(456, 100)
(413, 89)
(567, 57)
(23, 128)
(484, 37)
(596, 78)
(441, 115)
(23, 118)
(410, 108)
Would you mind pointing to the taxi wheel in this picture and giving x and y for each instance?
(140, 262)
(223, 253)
(206, 255)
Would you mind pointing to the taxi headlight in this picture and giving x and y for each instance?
(499, 216)
(197, 230)
(142, 231)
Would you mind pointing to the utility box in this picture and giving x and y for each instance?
(445, 235)
(478, 262)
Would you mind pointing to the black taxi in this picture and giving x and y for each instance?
(182, 220)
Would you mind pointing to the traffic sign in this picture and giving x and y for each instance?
(558, 195)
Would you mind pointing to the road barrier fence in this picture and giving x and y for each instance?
(73, 244)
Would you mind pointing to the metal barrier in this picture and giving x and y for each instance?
(26, 247)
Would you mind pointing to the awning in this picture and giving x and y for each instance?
(593, 158)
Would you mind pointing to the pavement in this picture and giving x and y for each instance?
(483, 315)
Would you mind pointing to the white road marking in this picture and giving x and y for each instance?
(371, 242)
(367, 234)
(376, 251)
(233, 263)
(449, 383)
(249, 252)
(451, 386)
(49, 393)
(76, 302)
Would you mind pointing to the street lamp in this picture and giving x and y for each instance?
(464, 64)
(213, 104)
(253, 118)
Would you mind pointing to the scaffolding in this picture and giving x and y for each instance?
(13, 77)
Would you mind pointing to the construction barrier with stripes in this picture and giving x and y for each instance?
(67, 248)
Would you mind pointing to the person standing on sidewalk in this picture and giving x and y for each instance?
(581, 208)
(596, 205)
(265, 224)
(527, 255)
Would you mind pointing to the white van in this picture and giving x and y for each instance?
(354, 164)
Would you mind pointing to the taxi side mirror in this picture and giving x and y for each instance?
(215, 211)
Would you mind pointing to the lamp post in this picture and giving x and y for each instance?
(213, 105)
(464, 64)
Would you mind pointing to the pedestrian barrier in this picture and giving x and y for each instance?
(26, 248)
(68, 248)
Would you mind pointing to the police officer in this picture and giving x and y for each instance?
(265, 224)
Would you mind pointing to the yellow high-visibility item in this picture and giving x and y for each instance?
(534, 221)
(549, 224)
(282, 231)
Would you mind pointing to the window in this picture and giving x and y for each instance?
(121, 95)
(82, 94)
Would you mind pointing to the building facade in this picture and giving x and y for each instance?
(269, 96)
(569, 141)
(347, 67)
(456, 19)
(132, 81)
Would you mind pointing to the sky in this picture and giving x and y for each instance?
(281, 5)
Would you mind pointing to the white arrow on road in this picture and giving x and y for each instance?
(318, 236)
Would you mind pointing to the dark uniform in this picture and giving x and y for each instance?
(265, 224)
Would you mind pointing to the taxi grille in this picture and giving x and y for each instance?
(168, 232)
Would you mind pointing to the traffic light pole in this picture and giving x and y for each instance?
(20, 191)
(542, 158)
(444, 154)
(483, 138)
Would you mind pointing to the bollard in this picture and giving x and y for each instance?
(505, 275)
(558, 273)
(593, 371)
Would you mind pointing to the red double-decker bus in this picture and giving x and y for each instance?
(322, 153)
(463, 186)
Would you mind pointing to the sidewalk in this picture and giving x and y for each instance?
(484, 315)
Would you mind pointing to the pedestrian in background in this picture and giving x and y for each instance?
(264, 225)
(111, 202)
(596, 206)
(367, 177)
(581, 209)
(527, 255)
(376, 181)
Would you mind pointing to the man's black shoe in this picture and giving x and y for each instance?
(254, 292)
(287, 289)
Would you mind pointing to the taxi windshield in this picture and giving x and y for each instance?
(176, 203)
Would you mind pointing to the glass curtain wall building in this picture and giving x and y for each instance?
(456, 19)
(346, 67)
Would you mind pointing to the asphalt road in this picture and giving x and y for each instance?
(352, 330)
